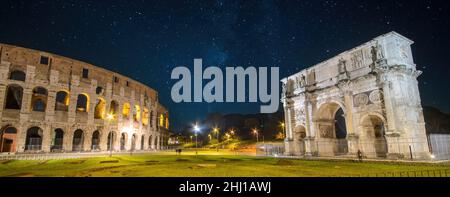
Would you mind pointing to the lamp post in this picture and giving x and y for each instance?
(196, 129)
(282, 127)
(216, 130)
(255, 131)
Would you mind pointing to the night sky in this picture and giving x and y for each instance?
(146, 39)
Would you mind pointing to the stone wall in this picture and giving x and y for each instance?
(375, 85)
(48, 75)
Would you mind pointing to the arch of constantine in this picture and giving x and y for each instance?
(56, 104)
(365, 100)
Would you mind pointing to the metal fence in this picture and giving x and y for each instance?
(421, 173)
(270, 149)
(439, 145)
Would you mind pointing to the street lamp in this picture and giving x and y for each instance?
(255, 131)
(196, 129)
(216, 130)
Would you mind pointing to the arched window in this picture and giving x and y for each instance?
(62, 101)
(167, 122)
(113, 108)
(126, 110)
(133, 142)
(78, 139)
(142, 142)
(111, 139)
(137, 113)
(17, 75)
(39, 99)
(33, 139)
(145, 117)
(150, 138)
(14, 97)
(8, 140)
(161, 120)
(123, 141)
(95, 140)
(82, 103)
(11, 130)
(100, 109)
(151, 118)
(57, 140)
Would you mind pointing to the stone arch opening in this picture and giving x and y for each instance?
(82, 103)
(17, 75)
(8, 138)
(113, 108)
(145, 116)
(161, 120)
(57, 140)
(39, 99)
(123, 141)
(78, 140)
(133, 142)
(95, 142)
(142, 142)
(136, 113)
(14, 95)
(111, 139)
(33, 141)
(332, 129)
(373, 136)
(62, 101)
(100, 107)
(126, 110)
(150, 138)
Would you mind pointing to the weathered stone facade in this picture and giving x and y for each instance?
(56, 104)
(365, 100)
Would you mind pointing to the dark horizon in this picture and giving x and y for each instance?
(146, 40)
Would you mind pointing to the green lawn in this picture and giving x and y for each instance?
(207, 163)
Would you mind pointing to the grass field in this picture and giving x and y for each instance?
(210, 163)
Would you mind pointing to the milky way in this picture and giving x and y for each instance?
(146, 39)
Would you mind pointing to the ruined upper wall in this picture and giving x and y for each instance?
(351, 64)
(20, 57)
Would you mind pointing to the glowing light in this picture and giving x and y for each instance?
(127, 129)
(432, 156)
(109, 116)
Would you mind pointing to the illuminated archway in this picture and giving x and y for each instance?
(82, 103)
(145, 117)
(137, 113)
(100, 108)
(373, 141)
(332, 128)
(62, 101)
(39, 99)
(113, 108)
(126, 110)
(8, 139)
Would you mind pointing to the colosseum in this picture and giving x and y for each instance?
(57, 104)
